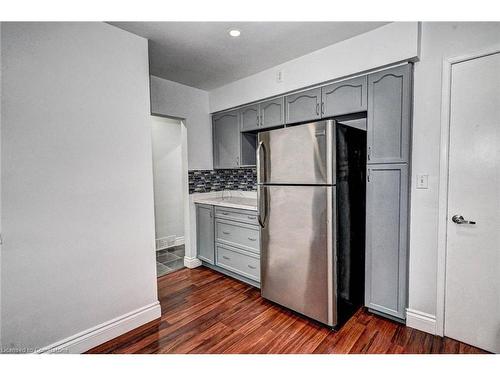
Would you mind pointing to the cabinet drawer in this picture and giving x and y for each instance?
(244, 216)
(238, 234)
(240, 262)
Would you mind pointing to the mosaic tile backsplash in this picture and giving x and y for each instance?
(204, 181)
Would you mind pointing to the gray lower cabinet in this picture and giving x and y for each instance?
(249, 117)
(226, 140)
(272, 113)
(344, 97)
(389, 107)
(238, 261)
(303, 106)
(205, 232)
(229, 239)
(386, 239)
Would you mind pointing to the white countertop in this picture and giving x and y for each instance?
(248, 202)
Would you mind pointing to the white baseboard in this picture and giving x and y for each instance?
(421, 321)
(101, 333)
(179, 241)
(168, 242)
(192, 262)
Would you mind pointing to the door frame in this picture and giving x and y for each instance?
(188, 256)
(444, 177)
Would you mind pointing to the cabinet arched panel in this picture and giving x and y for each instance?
(345, 97)
(249, 117)
(388, 135)
(272, 113)
(303, 106)
(226, 140)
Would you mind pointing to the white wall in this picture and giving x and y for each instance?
(439, 40)
(77, 184)
(176, 100)
(168, 177)
(386, 45)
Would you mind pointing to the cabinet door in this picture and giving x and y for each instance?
(205, 233)
(226, 140)
(341, 98)
(386, 238)
(303, 106)
(272, 113)
(389, 94)
(249, 117)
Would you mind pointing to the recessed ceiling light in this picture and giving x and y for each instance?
(234, 33)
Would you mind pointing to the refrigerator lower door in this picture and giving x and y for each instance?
(298, 155)
(298, 249)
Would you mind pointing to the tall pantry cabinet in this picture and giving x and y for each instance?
(388, 144)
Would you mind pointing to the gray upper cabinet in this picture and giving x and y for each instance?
(341, 98)
(226, 140)
(303, 106)
(249, 117)
(205, 233)
(386, 238)
(272, 113)
(389, 94)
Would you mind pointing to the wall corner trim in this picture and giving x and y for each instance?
(421, 321)
(192, 262)
(101, 333)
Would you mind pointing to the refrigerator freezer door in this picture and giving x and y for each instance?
(297, 155)
(298, 249)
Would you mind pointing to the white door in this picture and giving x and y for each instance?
(472, 302)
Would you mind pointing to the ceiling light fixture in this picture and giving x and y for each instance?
(234, 33)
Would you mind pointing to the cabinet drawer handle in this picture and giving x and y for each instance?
(322, 108)
(251, 217)
(251, 267)
(252, 239)
(226, 232)
(317, 108)
(225, 213)
(225, 257)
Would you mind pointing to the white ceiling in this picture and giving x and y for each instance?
(203, 55)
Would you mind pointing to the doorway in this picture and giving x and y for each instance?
(169, 189)
(471, 203)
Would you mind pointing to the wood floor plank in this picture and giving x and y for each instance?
(204, 311)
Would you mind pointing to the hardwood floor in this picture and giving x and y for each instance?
(206, 312)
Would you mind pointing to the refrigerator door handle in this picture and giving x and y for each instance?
(261, 150)
(262, 198)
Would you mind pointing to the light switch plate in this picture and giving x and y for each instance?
(422, 181)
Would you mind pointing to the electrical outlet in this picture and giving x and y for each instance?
(279, 76)
(422, 181)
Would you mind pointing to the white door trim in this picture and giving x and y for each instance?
(443, 178)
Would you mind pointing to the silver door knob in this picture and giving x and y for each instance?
(459, 219)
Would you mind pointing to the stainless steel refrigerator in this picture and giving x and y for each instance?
(297, 173)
